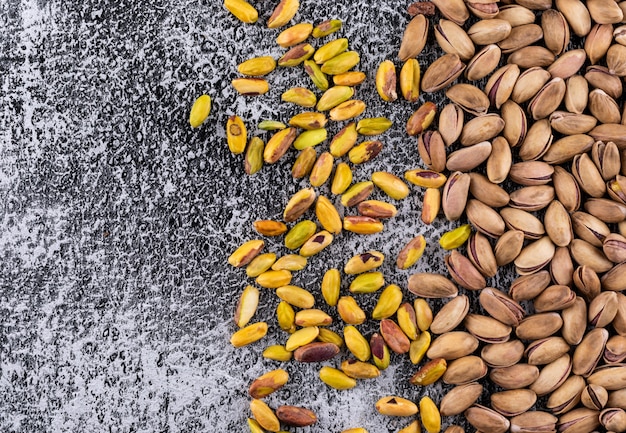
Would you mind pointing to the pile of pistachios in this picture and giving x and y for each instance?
(530, 150)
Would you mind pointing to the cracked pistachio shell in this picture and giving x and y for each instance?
(556, 34)
(598, 41)
(520, 37)
(576, 15)
(500, 355)
(442, 72)
(483, 63)
(454, 40)
(414, 38)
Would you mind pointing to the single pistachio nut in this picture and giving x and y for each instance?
(277, 353)
(391, 185)
(242, 10)
(290, 262)
(362, 225)
(411, 252)
(349, 311)
(455, 238)
(421, 118)
(264, 415)
(246, 306)
(419, 347)
(283, 13)
(278, 145)
(410, 75)
(377, 209)
(251, 86)
(431, 418)
(429, 373)
(316, 352)
(331, 283)
(350, 78)
(296, 296)
(268, 383)
(300, 96)
(344, 140)
(365, 151)
(414, 38)
(327, 27)
(333, 97)
(260, 264)
(249, 334)
(200, 111)
(347, 110)
(386, 81)
(320, 172)
(357, 193)
(336, 378)
(330, 49)
(341, 63)
(308, 121)
(396, 406)
(388, 302)
(367, 282)
(257, 66)
(294, 35)
(356, 343)
(246, 252)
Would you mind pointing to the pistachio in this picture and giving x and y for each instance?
(513, 402)
(483, 63)
(414, 38)
(516, 376)
(454, 196)
(481, 254)
(396, 406)
(410, 75)
(283, 13)
(386, 81)
(430, 285)
(442, 72)
(242, 10)
(501, 307)
(432, 150)
(450, 315)
(326, 28)
(452, 345)
(504, 354)
(294, 35)
(430, 372)
(450, 123)
(485, 419)
(460, 398)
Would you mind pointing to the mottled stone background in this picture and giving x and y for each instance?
(116, 219)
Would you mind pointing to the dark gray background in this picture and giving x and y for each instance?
(116, 219)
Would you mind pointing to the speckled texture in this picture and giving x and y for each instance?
(116, 301)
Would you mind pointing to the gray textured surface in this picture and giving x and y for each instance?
(117, 219)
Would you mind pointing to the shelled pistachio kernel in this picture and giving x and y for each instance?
(277, 352)
(242, 10)
(257, 66)
(200, 111)
(331, 283)
(455, 238)
(271, 125)
(327, 27)
(336, 378)
(246, 252)
(253, 161)
(391, 184)
(236, 134)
